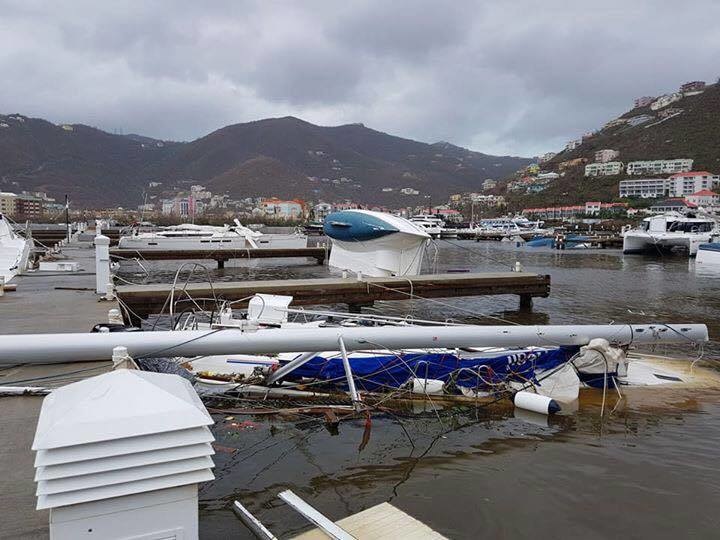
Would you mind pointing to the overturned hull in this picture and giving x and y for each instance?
(375, 243)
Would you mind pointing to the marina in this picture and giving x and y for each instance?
(89, 310)
(360, 272)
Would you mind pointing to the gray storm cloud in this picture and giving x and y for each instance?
(500, 77)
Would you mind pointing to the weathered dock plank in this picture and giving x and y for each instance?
(221, 256)
(144, 300)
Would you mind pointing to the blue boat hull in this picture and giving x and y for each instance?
(389, 371)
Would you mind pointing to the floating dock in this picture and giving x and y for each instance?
(220, 256)
(380, 522)
(144, 300)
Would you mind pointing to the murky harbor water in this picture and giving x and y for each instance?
(649, 470)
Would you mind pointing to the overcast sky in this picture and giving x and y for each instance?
(515, 77)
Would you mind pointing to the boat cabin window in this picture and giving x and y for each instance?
(689, 226)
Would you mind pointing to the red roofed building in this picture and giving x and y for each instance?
(704, 197)
(687, 183)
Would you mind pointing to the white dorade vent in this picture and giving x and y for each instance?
(103, 444)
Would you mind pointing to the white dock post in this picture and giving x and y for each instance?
(2, 285)
(102, 263)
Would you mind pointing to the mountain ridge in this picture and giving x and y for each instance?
(286, 156)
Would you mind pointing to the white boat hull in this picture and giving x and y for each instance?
(14, 251)
(398, 254)
(642, 241)
(709, 254)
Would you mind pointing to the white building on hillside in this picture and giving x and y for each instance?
(489, 183)
(664, 101)
(704, 197)
(409, 191)
(572, 145)
(687, 183)
(603, 169)
(660, 166)
(645, 188)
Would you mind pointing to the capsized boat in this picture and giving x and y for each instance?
(375, 243)
(14, 251)
(669, 232)
(190, 237)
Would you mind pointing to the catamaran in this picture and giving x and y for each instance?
(669, 232)
(206, 237)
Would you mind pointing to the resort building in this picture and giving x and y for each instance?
(704, 197)
(687, 183)
(603, 169)
(645, 188)
(659, 166)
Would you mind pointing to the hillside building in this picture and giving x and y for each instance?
(614, 123)
(659, 166)
(687, 183)
(693, 87)
(7, 203)
(604, 156)
(489, 184)
(643, 101)
(28, 207)
(570, 163)
(548, 176)
(668, 112)
(593, 208)
(603, 169)
(572, 145)
(664, 101)
(645, 188)
(409, 191)
(546, 157)
(285, 210)
(567, 212)
(704, 197)
(670, 205)
(639, 119)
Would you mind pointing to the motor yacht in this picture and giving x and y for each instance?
(194, 237)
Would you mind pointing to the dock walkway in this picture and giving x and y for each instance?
(220, 256)
(43, 302)
(144, 300)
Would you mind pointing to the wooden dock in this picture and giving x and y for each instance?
(144, 300)
(381, 522)
(220, 256)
